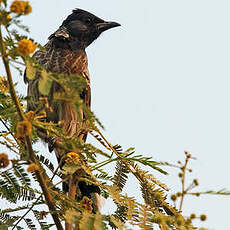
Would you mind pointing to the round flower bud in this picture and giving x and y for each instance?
(195, 181)
(32, 167)
(173, 197)
(24, 128)
(193, 216)
(180, 175)
(4, 161)
(203, 217)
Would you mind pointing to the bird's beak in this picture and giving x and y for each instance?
(103, 26)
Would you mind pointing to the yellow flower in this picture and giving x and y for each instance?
(32, 167)
(26, 47)
(4, 87)
(72, 156)
(86, 203)
(20, 7)
(24, 128)
(4, 161)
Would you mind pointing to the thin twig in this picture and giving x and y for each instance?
(133, 171)
(3, 122)
(183, 192)
(22, 217)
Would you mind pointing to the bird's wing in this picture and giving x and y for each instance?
(67, 62)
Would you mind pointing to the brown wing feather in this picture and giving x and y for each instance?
(67, 62)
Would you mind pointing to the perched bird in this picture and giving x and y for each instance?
(65, 53)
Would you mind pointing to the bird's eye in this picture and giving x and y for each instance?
(88, 20)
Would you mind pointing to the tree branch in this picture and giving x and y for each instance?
(32, 156)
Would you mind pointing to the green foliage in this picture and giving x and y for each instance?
(46, 162)
(39, 217)
(9, 187)
(45, 83)
(7, 220)
(20, 173)
(121, 173)
(30, 224)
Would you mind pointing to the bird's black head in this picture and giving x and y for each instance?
(84, 27)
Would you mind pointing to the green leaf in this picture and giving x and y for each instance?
(45, 83)
(20, 173)
(30, 71)
(117, 223)
(87, 221)
(98, 224)
(5, 2)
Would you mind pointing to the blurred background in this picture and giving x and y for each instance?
(160, 83)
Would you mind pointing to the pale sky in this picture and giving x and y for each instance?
(160, 83)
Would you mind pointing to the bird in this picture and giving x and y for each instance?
(65, 53)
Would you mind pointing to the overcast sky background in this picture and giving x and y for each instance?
(160, 83)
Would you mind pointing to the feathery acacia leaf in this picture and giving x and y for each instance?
(98, 222)
(43, 224)
(30, 224)
(7, 221)
(87, 221)
(120, 176)
(25, 194)
(224, 192)
(19, 171)
(144, 218)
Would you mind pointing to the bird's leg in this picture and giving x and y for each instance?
(68, 226)
(72, 194)
(73, 181)
(73, 186)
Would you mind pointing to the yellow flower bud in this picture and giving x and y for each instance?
(86, 203)
(24, 128)
(195, 181)
(4, 161)
(72, 156)
(203, 217)
(4, 86)
(30, 115)
(173, 197)
(193, 216)
(32, 167)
